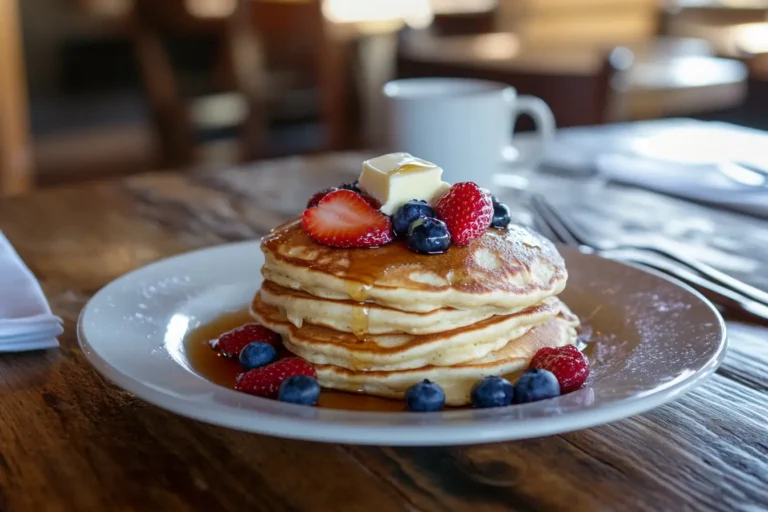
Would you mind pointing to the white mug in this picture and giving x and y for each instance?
(463, 125)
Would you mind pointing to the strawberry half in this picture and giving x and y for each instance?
(345, 219)
(568, 364)
(315, 199)
(231, 343)
(467, 210)
(265, 381)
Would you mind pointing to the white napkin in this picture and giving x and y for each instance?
(723, 184)
(26, 321)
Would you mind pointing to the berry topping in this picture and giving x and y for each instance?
(371, 201)
(231, 343)
(425, 396)
(257, 354)
(299, 389)
(534, 385)
(429, 236)
(409, 212)
(467, 210)
(492, 392)
(283, 352)
(500, 215)
(344, 219)
(315, 199)
(568, 364)
(354, 186)
(266, 381)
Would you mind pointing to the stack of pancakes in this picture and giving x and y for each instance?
(376, 321)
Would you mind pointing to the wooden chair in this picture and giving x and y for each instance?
(256, 39)
(241, 58)
(15, 156)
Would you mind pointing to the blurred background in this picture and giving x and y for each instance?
(93, 89)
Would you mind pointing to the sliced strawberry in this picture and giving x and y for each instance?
(344, 219)
(232, 342)
(467, 210)
(319, 195)
(265, 381)
(371, 201)
(568, 364)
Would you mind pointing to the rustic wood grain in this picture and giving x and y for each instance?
(69, 440)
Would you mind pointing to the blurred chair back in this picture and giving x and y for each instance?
(15, 156)
(277, 55)
(240, 63)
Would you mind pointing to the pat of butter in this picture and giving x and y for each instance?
(396, 178)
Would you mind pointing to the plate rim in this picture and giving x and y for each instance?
(432, 432)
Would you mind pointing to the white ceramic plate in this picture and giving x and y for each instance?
(657, 340)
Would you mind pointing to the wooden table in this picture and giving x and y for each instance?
(660, 82)
(69, 440)
(736, 29)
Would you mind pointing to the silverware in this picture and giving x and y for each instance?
(551, 226)
(564, 227)
(757, 169)
(744, 174)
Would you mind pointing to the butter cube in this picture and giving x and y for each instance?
(396, 178)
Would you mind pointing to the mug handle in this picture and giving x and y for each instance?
(545, 127)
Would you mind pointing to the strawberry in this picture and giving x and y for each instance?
(467, 210)
(319, 195)
(265, 381)
(371, 201)
(232, 342)
(283, 353)
(568, 364)
(315, 199)
(345, 219)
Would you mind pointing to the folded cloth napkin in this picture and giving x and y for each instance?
(725, 184)
(709, 162)
(26, 321)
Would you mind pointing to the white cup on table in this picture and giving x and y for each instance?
(463, 125)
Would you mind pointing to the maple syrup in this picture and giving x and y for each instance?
(513, 249)
(359, 293)
(222, 371)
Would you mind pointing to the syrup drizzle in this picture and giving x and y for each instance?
(222, 371)
(359, 292)
(514, 251)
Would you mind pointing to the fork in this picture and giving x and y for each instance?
(546, 210)
(557, 229)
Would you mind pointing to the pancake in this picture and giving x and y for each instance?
(325, 346)
(457, 380)
(368, 318)
(509, 269)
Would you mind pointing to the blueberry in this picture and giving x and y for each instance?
(536, 384)
(425, 396)
(354, 186)
(500, 215)
(429, 236)
(492, 392)
(299, 389)
(408, 213)
(256, 355)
